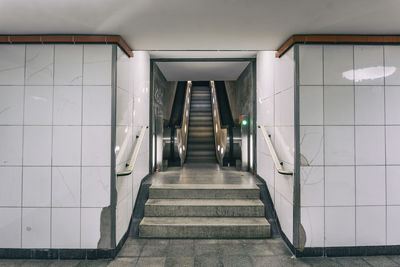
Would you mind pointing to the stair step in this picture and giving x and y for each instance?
(204, 227)
(204, 191)
(204, 208)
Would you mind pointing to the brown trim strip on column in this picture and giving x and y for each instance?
(337, 39)
(73, 39)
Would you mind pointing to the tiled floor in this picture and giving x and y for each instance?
(209, 253)
(202, 173)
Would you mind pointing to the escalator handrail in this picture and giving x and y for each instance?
(182, 131)
(220, 134)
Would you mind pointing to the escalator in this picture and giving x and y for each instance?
(201, 127)
(201, 147)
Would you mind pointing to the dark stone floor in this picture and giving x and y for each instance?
(209, 253)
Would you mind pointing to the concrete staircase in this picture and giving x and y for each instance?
(204, 211)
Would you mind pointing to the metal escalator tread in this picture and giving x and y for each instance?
(201, 147)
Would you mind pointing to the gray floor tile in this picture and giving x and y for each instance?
(208, 260)
(65, 263)
(276, 261)
(94, 263)
(36, 263)
(151, 261)
(237, 261)
(155, 248)
(395, 258)
(202, 247)
(11, 263)
(351, 261)
(179, 262)
(318, 261)
(130, 250)
(123, 262)
(381, 261)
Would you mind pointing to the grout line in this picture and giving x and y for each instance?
(51, 157)
(23, 136)
(323, 136)
(81, 152)
(355, 149)
(384, 138)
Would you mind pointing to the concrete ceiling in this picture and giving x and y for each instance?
(200, 24)
(202, 71)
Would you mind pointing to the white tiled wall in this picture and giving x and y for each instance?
(133, 79)
(275, 111)
(55, 126)
(349, 135)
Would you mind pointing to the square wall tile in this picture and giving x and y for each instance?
(65, 228)
(370, 185)
(67, 145)
(37, 145)
(339, 105)
(11, 145)
(38, 105)
(36, 187)
(96, 146)
(68, 64)
(11, 105)
(284, 144)
(339, 145)
(36, 228)
(392, 100)
(284, 116)
(90, 227)
(67, 105)
(97, 64)
(312, 219)
(124, 107)
(310, 57)
(370, 145)
(10, 227)
(96, 186)
(392, 145)
(393, 185)
(367, 218)
(312, 145)
(39, 64)
(312, 186)
(311, 105)
(12, 64)
(393, 222)
(340, 226)
(265, 111)
(66, 186)
(96, 105)
(370, 101)
(10, 186)
(283, 74)
(338, 65)
(392, 64)
(340, 187)
(368, 63)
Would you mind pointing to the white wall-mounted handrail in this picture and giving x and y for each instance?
(277, 162)
(135, 153)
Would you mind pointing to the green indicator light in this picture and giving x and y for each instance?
(244, 122)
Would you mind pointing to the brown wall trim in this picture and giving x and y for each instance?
(69, 39)
(337, 39)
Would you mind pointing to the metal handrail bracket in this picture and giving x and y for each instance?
(277, 162)
(131, 164)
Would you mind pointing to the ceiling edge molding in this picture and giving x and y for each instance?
(67, 39)
(336, 39)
